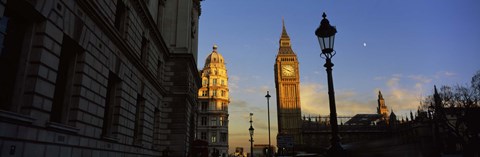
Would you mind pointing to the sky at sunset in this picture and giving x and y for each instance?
(401, 47)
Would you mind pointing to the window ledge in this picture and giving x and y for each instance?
(62, 127)
(16, 117)
(109, 138)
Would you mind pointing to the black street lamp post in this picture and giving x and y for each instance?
(251, 135)
(326, 37)
(268, 112)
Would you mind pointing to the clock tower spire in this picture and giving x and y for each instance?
(287, 83)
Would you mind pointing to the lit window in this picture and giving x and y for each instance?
(221, 121)
(214, 137)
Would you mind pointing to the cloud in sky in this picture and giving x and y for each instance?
(402, 93)
(233, 83)
(444, 74)
(314, 100)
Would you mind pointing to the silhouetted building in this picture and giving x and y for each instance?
(98, 78)
(365, 119)
(316, 130)
(212, 125)
(287, 84)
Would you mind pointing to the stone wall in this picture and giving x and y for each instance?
(72, 55)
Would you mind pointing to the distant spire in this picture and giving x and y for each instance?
(284, 30)
(380, 96)
(284, 42)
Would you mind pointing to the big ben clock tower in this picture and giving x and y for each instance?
(287, 81)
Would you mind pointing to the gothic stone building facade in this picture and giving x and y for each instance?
(98, 78)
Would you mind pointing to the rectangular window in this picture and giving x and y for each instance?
(205, 82)
(13, 31)
(223, 137)
(222, 93)
(204, 93)
(221, 121)
(161, 7)
(139, 119)
(214, 93)
(3, 31)
(159, 69)
(156, 128)
(120, 17)
(213, 121)
(214, 137)
(224, 106)
(204, 121)
(64, 82)
(214, 82)
(204, 106)
(223, 82)
(212, 106)
(203, 135)
(144, 50)
(112, 102)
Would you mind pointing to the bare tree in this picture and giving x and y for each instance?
(456, 111)
(447, 95)
(463, 97)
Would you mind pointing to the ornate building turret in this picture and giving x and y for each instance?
(214, 99)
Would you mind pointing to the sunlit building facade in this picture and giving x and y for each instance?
(287, 84)
(212, 120)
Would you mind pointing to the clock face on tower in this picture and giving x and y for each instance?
(288, 70)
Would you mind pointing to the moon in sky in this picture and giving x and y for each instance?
(364, 44)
